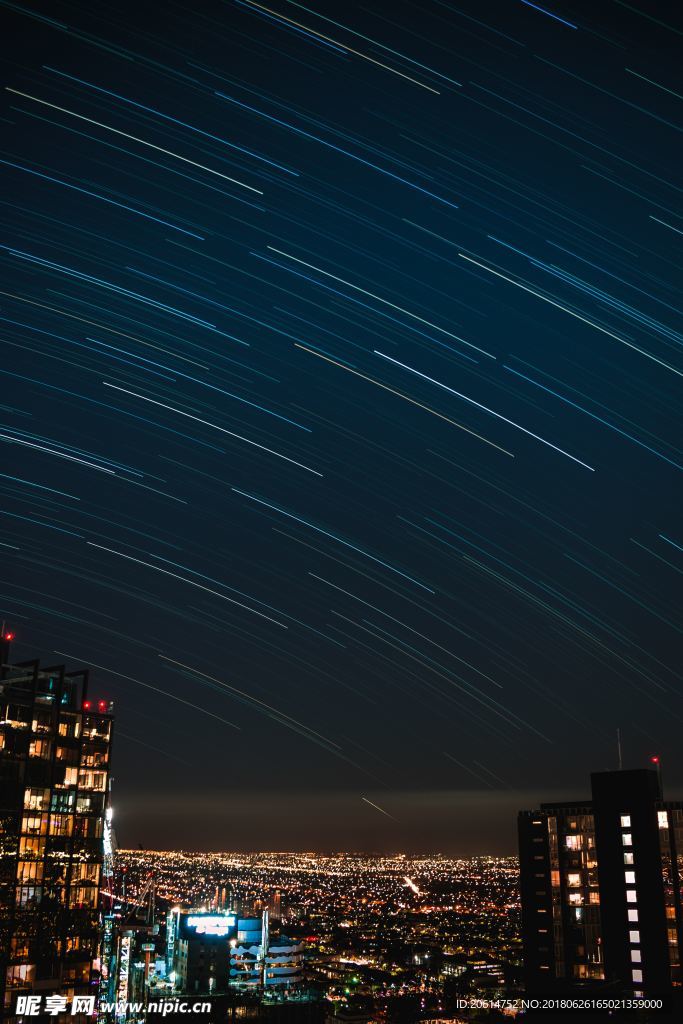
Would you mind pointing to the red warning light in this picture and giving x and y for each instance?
(9, 636)
(86, 705)
(655, 759)
(102, 705)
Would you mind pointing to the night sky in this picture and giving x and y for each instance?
(341, 404)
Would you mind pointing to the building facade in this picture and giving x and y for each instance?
(198, 950)
(54, 777)
(209, 952)
(601, 884)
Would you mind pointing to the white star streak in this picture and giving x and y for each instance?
(406, 398)
(214, 426)
(148, 686)
(378, 808)
(325, 533)
(344, 46)
(378, 298)
(571, 312)
(60, 455)
(183, 579)
(292, 723)
(134, 138)
(485, 408)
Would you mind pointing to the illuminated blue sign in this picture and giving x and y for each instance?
(211, 924)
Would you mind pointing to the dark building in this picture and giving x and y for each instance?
(199, 947)
(210, 952)
(54, 767)
(601, 889)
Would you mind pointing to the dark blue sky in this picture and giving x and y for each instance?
(341, 403)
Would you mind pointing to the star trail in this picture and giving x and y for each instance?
(341, 399)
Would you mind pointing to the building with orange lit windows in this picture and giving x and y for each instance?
(55, 749)
(602, 887)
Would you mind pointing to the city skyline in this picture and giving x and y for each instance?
(340, 405)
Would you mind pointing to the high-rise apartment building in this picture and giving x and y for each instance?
(54, 775)
(602, 888)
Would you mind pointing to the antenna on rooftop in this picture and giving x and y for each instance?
(621, 763)
(656, 761)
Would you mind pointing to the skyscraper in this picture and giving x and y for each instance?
(54, 766)
(602, 888)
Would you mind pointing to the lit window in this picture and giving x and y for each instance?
(628, 858)
(630, 877)
(637, 975)
(662, 819)
(626, 821)
(573, 879)
(40, 748)
(626, 839)
(635, 956)
(32, 849)
(34, 824)
(36, 799)
(29, 871)
(633, 916)
(634, 937)
(631, 896)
